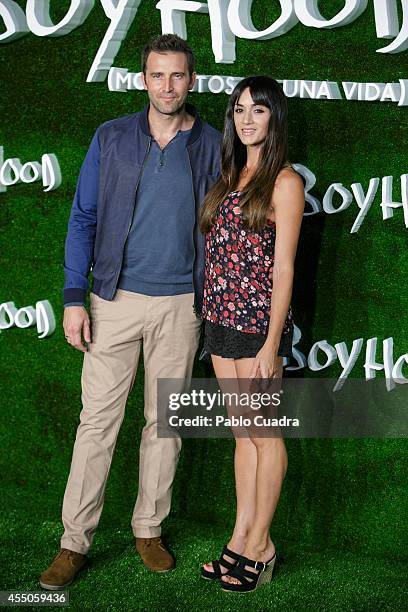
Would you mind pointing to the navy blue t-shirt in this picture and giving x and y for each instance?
(159, 251)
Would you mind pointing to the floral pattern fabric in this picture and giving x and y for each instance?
(238, 272)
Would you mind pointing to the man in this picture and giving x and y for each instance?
(134, 223)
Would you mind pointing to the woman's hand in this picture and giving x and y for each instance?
(266, 363)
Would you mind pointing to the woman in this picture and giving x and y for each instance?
(252, 218)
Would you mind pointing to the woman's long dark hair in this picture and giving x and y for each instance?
(255, 199)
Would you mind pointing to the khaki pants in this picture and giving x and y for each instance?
(169, 330)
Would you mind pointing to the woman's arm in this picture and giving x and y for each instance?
(288, 200)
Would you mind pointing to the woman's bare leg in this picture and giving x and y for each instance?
(270, 473)
(245, 469)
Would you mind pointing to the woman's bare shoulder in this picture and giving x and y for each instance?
(289, 187)
(288, 179)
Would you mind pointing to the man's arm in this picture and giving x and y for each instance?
(79, 248)
(80, 240)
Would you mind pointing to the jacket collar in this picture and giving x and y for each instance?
(195, 131)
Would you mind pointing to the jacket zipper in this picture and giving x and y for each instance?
(194, 226)
(131, 216)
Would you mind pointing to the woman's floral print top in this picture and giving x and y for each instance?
(238, 272)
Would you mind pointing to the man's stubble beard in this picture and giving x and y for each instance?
(175, 111)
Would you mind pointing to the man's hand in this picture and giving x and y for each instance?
(76, 322)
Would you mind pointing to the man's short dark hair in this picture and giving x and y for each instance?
(168, 43)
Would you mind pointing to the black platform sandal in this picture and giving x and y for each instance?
(222, 561)
(248, 580)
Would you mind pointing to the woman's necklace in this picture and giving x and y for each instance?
(244, 174)
(245, 170)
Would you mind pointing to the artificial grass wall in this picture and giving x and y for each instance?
(346, 494)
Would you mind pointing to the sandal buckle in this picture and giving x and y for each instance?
(260, 563)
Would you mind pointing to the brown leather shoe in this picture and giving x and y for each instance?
(154, 554)
(63, 570)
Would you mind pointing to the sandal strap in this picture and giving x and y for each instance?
(247, 573)
(245, 561)
(218, 563)
(242, 574)
(230, 553)
(216, 568)
(227, 564)
(259, 566)
(222, 562)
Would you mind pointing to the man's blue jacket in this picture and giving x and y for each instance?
(105, 198)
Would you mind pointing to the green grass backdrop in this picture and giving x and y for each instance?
(340, 527)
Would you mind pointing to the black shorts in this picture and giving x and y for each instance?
(234, 344)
